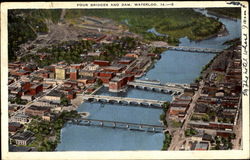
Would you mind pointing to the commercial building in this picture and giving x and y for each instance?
(21, 118)
(101, 63)
(119, 83)
(60, 73)
(126, 60)
(37, 110)
(114, 69)
(35, 89)
(73, 74)
(14, 127)
(23, 138)
(54, 96)
(88, 73)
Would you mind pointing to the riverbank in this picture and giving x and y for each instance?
(222, 32)
(47, 133)
(230, 13)
(175, 23)
(221, 58)
(220, 15)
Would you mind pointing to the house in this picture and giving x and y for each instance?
(22, 138)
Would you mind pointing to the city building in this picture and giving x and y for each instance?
(23, 138)
(114, 69)
(86, 73)
(101, 62)
(54, 96)
(36, 110)
(35, 89)
(21, 118)
(118, 83)
(14, 127)
(60, 73)
(73, 74)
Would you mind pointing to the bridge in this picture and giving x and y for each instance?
(118, 124)
(186, 48)
(125, 100)
(170, 89)
(181, 85)
(194, 49)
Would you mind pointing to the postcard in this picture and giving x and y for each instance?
(125, 80)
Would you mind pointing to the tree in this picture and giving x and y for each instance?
(99, 82)
(64, 101)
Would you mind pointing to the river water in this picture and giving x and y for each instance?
(174, 66)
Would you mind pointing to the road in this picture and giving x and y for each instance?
(22, 109)
(179, 136)
(238, 130)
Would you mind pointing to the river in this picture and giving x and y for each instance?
(174, 66)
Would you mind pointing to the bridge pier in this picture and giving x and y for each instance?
(101, 123)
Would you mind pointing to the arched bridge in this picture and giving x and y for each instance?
(187, 49)
(193, 49)
(118, 124)
(154, 87)
(126, 100)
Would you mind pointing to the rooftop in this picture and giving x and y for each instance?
(201, 108)
(201, 145)
(23, 135)
(19, 115)
(33, 107)
(19, 149)
(15, 124)
(113, 68)
(55, 93)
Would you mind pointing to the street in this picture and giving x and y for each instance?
(179, 135)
